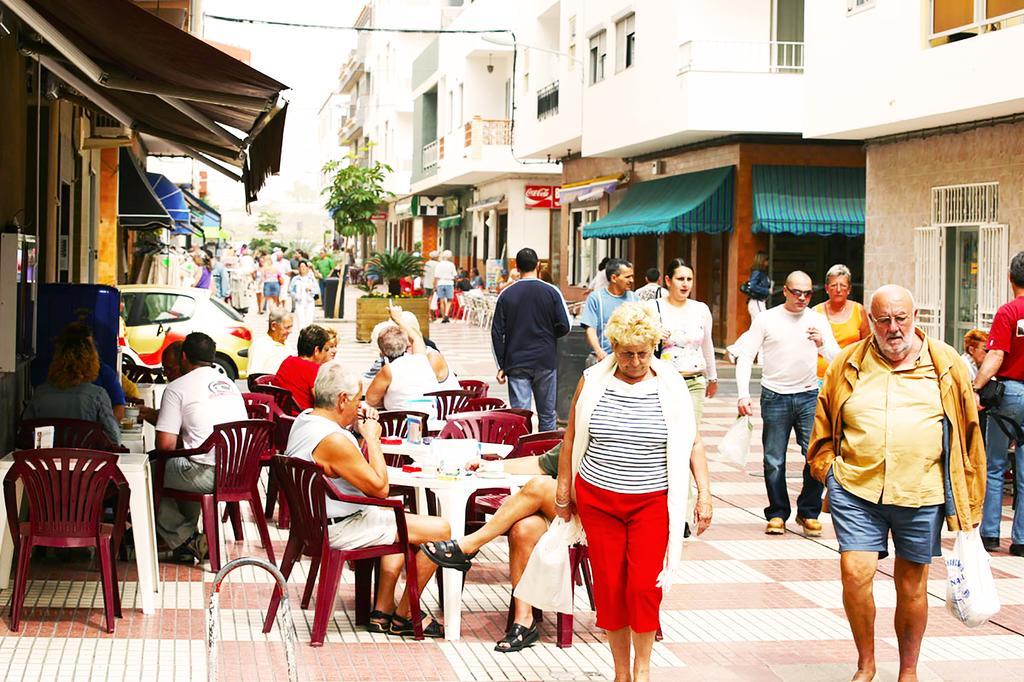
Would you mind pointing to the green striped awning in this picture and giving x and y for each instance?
(694, 202)
(449, 221)
(809, 200)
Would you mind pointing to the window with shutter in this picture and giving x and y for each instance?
(929, 278)
(993, 260)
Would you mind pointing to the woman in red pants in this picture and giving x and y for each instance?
(633, 441)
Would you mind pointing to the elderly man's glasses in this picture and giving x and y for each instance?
(886, 321)
(633, 357)
(800, 293)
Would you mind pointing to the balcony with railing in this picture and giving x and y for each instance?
(547, 101)
(717, 56)
(430, 157)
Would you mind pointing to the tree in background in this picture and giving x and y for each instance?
(354, 194)
(268, 223)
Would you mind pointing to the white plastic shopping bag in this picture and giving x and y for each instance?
(735, 444)
(433, 303)
(546, 582)
(970, 589)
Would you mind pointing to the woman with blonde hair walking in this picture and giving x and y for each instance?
(631, 446)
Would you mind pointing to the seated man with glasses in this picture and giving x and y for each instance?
(790, 337)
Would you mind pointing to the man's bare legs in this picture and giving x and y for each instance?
(537, 496)
(421, 529)
(911, 614)
(858, 572)
(522, 538)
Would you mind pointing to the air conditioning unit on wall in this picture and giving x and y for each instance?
(105, 131)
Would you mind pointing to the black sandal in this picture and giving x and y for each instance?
(448, 554)
(380, 622)
(402, 627)
(518, 638)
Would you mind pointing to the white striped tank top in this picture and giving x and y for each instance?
(628, 450)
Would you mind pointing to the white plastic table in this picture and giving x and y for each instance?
(452, 496)
(135, 468)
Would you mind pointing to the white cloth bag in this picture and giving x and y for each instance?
(735, 444)
(546, 582)
(970, 589)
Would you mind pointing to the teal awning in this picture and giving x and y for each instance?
(449, 222)
(809, 200)
(694, 202)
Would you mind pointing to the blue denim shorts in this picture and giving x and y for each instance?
(445, 292)
(863, 526)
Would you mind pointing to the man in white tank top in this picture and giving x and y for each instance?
(410, 372)
(322, 435)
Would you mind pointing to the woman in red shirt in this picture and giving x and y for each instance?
(297, 373)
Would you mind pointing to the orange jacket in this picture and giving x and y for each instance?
(966, 473)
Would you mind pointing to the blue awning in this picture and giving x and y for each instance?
(694, 202)
(171, 197)
(809, 200)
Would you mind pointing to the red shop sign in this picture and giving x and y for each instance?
(542, 196)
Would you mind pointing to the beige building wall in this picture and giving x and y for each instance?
(900, 177)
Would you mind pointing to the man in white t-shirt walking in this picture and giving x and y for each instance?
(444, 283)
(192, 406)
(428, 274)
(789, 337)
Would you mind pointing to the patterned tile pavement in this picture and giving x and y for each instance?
(749, 608)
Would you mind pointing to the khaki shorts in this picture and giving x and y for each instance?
(366, 528)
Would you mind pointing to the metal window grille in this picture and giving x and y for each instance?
(547, 101)
(975, 204)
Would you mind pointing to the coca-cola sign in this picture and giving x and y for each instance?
(542, 196)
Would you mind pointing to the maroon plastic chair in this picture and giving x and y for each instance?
(483, 404)
(238, 449)
(282, 396)
(450, 401)
(477, 388)
(525, 414)
(486, 427)
(68, 433)
(260, 406)
(254, 380)
(282, 430)
(306, 488)
(65, 489)
(392, 423)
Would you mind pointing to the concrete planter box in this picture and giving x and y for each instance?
(372, 311)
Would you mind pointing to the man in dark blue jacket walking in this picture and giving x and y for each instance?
(529, 316)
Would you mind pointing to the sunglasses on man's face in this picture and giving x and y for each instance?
(800, 293)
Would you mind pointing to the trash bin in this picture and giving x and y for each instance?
(334, 296)
(241, 283)
(573, 350)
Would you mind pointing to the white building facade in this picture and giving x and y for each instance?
(943, 130)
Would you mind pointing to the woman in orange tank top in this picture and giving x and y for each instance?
(848, 318)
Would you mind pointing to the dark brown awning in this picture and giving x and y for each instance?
(183, 95)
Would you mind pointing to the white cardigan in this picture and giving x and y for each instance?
(678, 410)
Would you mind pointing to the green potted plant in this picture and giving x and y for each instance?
(390, 268)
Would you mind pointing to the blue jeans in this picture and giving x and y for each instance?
(526, 384)
(996, 444)
(782, 413)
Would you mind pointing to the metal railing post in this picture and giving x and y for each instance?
(284, 621)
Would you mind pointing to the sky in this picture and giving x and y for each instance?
(308, 61)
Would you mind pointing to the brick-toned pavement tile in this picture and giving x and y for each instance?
(733, 596)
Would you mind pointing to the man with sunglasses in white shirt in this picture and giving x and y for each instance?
(790, 337)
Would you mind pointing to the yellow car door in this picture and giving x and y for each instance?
(157, 319)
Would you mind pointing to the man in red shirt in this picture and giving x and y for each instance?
(316, 346)
(1005, 361)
